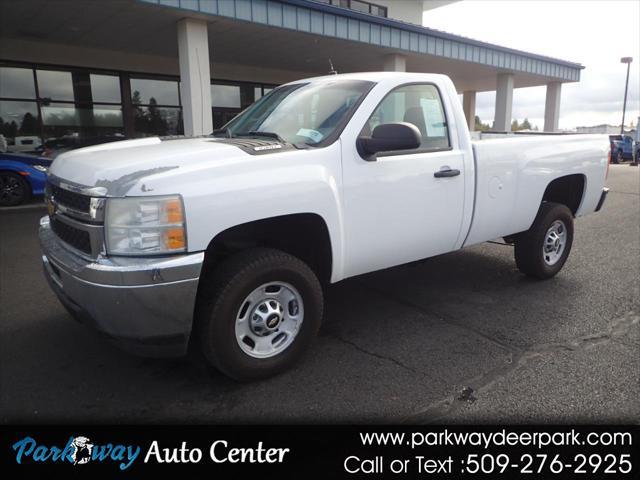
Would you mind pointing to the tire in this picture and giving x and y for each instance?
(553, 226)
(229, 292)
(14, 190)
(619, 157)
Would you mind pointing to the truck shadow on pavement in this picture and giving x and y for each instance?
(392, 344)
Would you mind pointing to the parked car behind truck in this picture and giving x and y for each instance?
(224, 244)
(21, 177)
(621, 148)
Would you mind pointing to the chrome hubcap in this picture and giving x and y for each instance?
(269, 319)
(554, 242)
(266, 317)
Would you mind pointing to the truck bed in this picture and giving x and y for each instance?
(513, 172)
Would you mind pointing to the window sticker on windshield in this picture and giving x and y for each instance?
(314, 135)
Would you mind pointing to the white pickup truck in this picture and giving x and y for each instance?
(223, 243)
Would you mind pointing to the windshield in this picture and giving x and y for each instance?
(304, 113)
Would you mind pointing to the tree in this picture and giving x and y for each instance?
(515, 126)
(140, 120)
(525, 125)
(481, 127)
(136, 99)
(157, 122)
(8, 129)
(29, 124)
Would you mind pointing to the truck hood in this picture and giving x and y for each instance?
(113, 169)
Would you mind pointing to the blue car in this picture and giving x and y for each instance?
(21, 177)
(621, 148)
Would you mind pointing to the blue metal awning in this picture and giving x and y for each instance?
(308, 16)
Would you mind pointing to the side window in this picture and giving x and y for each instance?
(417, 104)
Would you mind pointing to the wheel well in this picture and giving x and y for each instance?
(567, 190)
(304, 235)
(14, 172)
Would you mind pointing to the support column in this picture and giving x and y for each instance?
(552, 107)
(504, 103)
(195, 77)
(395, 63)
(469, 107)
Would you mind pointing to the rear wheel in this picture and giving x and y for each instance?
(620, 157)
(14, 190)
(258, 313)
(542, 251)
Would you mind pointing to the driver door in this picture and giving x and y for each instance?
(399, 207)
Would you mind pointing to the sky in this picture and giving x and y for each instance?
(594, 33)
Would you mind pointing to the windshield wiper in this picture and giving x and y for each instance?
(225, 132)
(255, 133)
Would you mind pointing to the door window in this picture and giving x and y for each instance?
(420, 105)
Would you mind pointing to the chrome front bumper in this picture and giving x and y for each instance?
(145, 305)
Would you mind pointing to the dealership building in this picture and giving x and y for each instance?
(166, 67)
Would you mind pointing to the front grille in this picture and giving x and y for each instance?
(69, 199)
(75, 237)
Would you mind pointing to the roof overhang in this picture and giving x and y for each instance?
(291, 35)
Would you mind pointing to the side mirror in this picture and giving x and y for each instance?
(389, 137)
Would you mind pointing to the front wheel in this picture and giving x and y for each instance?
(14, 190)
(258, 313)
(542, 251)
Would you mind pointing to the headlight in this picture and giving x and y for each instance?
(145, 225)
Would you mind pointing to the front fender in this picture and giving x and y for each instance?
(305, 181)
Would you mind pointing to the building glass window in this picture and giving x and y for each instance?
(60, 119)
(259, 92)
(152, 120)
(227, 100)
(378, 11)
(156, 107)
(105, 88)
(66, 103)
(226, 96)
(18, 119)
(41, 102)
(359, 6)
(17, 83)
(55, 85)
(107, 116)
(161, 92)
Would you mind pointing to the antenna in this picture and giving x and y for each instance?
(333, 70)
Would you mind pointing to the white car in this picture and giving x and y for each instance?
(223, 243)
(24, 144)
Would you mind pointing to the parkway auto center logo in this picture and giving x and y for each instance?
(78, 450)
(81, 450)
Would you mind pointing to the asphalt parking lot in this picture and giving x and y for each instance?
(462, 337)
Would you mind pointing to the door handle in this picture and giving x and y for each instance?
(447, 172)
